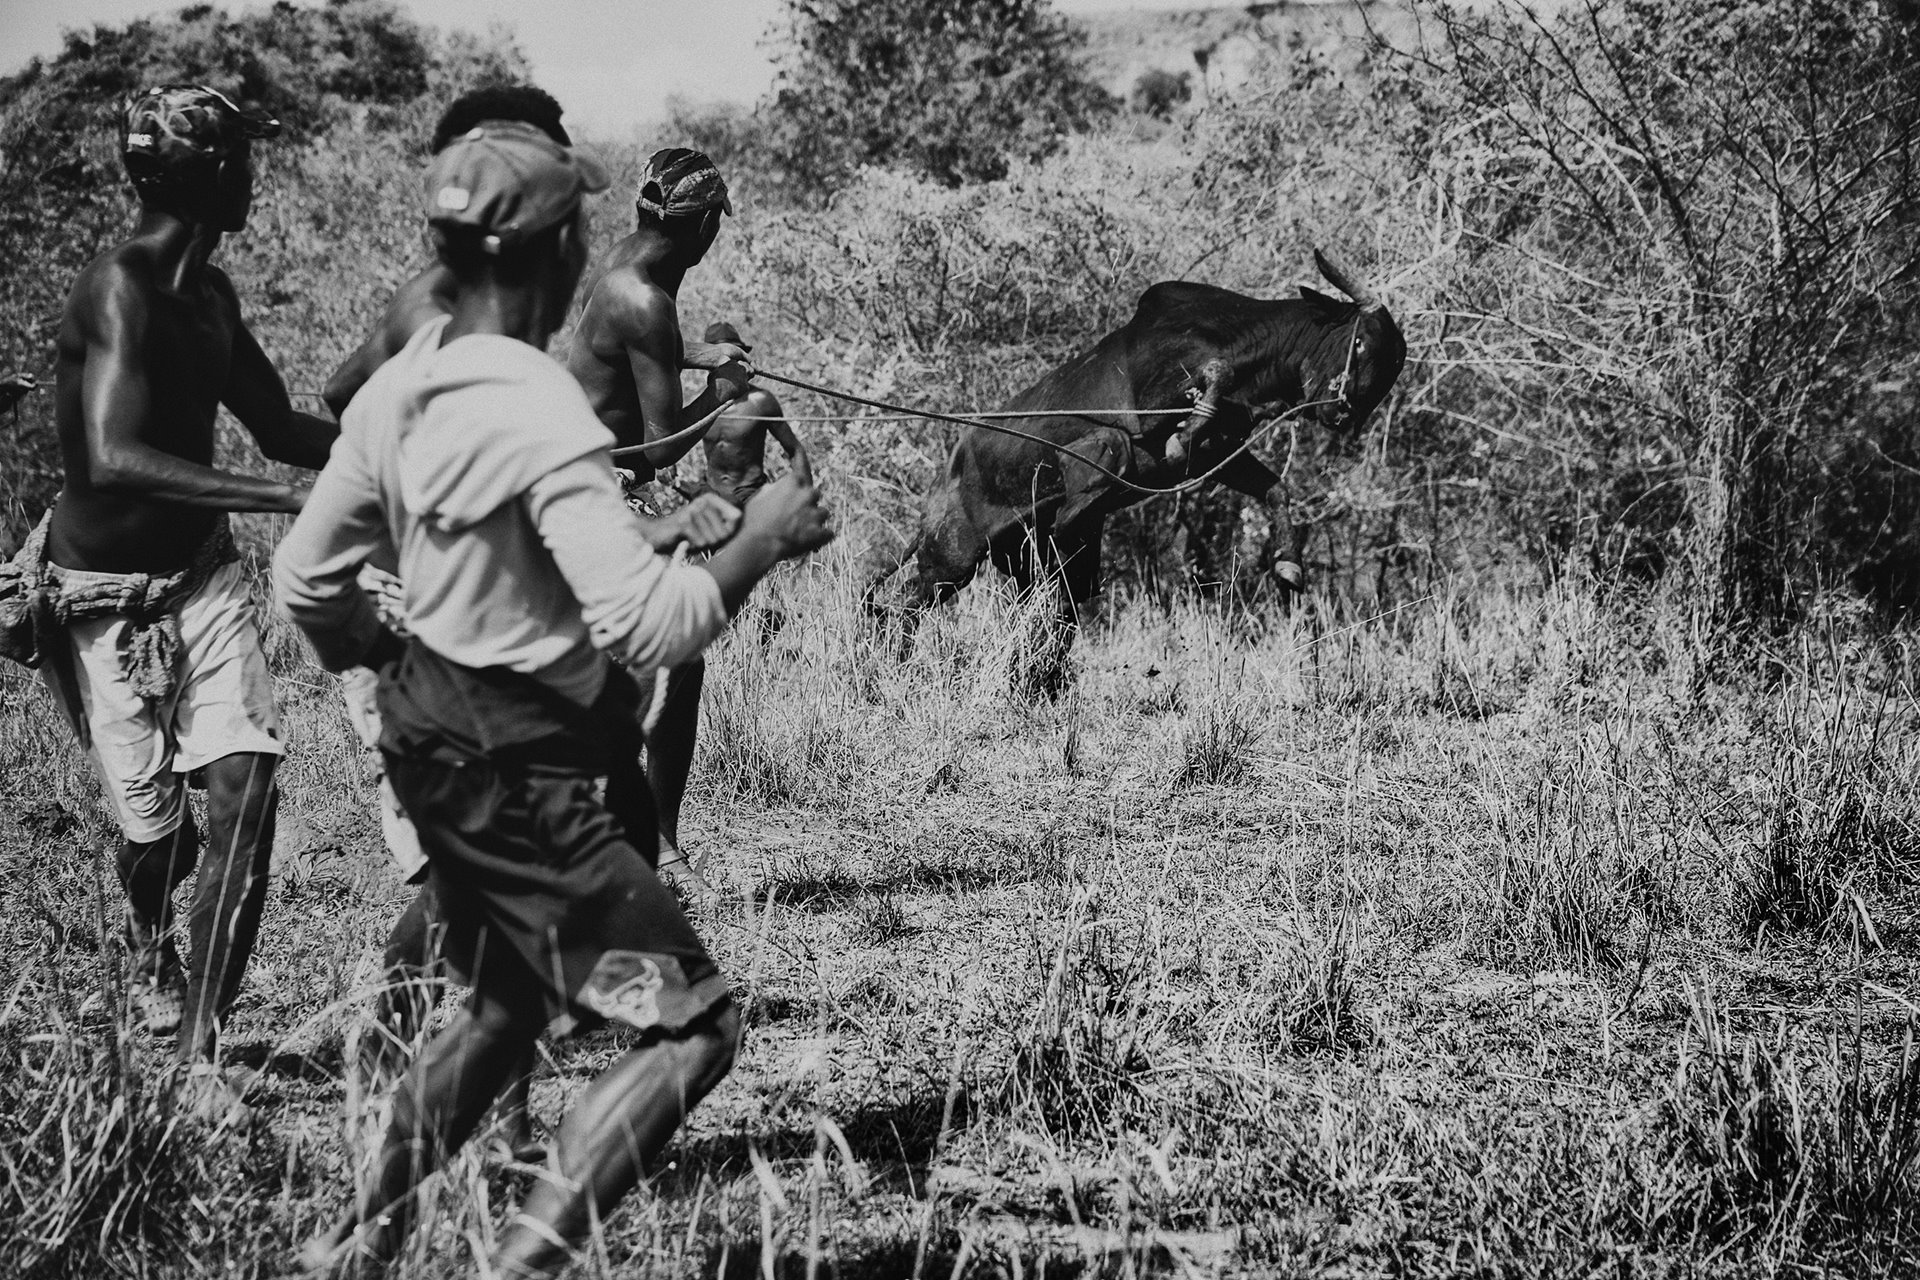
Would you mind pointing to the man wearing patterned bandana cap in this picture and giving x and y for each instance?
(628, 352)
(141, 620)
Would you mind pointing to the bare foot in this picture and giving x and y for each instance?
(158, 1003)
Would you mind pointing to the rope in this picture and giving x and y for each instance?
(933, 415)
(968, 413)
(984, 421)
(983, 414)
(652, 446)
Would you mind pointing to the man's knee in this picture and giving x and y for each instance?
(243, 784)
(715, 1041)
(174, 850)
(412, 945)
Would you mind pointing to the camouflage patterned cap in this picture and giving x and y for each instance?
(678, 181)
(176, 122)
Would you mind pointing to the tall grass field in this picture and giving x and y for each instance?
(1534, 896)
(1468, 940)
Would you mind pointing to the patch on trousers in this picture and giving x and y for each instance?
(625, 986)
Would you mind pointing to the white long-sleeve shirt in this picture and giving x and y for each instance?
(481, 468)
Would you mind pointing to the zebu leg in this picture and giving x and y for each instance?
(944, 561)
(1047, 571)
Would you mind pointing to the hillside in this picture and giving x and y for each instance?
(1233, 46)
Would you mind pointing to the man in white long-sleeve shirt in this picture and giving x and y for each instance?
(476, 462)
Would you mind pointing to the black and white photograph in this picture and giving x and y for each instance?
(960, 640)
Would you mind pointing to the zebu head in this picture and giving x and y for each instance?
(1355, 367)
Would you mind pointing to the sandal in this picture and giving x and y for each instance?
(157, 988)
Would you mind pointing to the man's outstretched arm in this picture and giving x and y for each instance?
(116, 403)
(646, 328)
(316, 567)
(258, 398)
(796, 452)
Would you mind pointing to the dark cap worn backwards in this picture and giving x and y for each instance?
(507, 180)
(177, 122)
(678, 181)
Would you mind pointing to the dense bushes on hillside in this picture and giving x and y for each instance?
(950, 90)
(355, 67)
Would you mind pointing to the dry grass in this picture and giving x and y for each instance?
(1249, 955)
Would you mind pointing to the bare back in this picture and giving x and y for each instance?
(627, 310)
(182, 351)
(424, 298)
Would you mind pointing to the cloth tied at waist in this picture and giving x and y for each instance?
(36, 606)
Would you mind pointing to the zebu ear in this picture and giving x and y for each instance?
(1345, 281)
(1324, 301)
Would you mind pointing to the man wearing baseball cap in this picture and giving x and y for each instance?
(628, 353)
(408, 983)
(428, 295)
(144, 629)
(478, 464)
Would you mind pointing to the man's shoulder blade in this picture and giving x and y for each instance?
(625, 297)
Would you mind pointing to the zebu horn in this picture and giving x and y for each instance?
(1345, 281)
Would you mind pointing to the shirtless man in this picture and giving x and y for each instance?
(736, 447)
(159, 665)
(628, 354)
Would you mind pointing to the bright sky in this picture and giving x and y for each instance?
(612, 63)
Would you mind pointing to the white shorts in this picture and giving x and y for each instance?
(223, 703)
(357, 686)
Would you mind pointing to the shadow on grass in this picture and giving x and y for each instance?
(318, 1066)
(878, 1260)
(997, 860)
(943, 1258)
(893, 1141)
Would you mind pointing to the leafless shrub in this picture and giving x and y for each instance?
(1680, 229)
